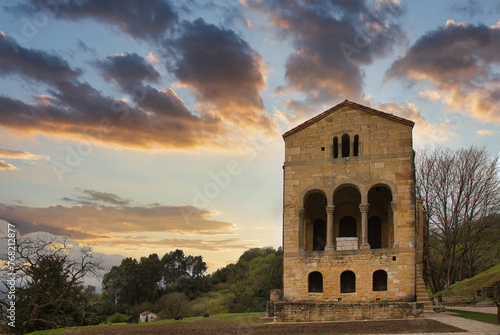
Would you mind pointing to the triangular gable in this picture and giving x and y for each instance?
(347, 103)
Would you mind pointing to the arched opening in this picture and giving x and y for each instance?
(381, 222)
(346, 145)
(380, 280)
(347, 282)
(355, 148)
(335, 147)
(347, 218)
(319, 235)
(315, 221)
(348, 227)
(375, 232)
(315, 282)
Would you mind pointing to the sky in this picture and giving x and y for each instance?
(142, 127)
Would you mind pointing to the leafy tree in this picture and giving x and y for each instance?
(150, 274)
(177, 265)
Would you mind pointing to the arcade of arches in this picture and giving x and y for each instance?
(347, 224)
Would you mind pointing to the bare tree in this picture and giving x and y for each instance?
(172, 305)
(461, 194)
(49, 273)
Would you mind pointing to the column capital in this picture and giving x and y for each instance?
(364, 208)
(330, 209)
(394, 206)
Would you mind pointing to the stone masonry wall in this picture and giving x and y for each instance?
(286, 311)
(386, 159)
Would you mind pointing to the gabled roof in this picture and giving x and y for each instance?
(347, 103)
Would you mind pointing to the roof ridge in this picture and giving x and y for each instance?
(341, 105)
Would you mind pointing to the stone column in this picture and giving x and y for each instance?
(364, 226)
(329, 228)
(302, 215)
(394, 207)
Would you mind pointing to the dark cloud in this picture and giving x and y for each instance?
(92, 197)
(145, 19)
(472, 8)
(128, 70)
(332, 41)
(460, 62)
(223, 71)
(153, 119)
(33, 64)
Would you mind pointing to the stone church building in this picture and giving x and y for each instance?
(352, 227)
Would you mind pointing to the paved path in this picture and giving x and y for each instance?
(470, 326)
(487, 310)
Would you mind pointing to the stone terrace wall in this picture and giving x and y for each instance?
(334, 311)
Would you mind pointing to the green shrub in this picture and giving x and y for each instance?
(117, 317)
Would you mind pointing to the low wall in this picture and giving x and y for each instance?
(339, 311)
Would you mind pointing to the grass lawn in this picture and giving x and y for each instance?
(483, 317)
(225, 318)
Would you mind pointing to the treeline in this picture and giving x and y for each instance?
(148, 284)
(134, 282)
(50, 293)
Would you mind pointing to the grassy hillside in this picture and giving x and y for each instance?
(213, 302)
(466, 290)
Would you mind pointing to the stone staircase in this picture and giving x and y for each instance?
(423, 295)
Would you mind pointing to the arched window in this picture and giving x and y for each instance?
(375, 232)
(348, 227)
(346, 146)
(380, 280)
(315, 282)
(335, 147)
(355, 148)
(347, 282)
(319, 235)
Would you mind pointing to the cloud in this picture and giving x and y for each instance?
(92, 197)
(178, 243)
(122, 224)
(333, 40)
(10, 154)
(487, 132)
(223, 72)
(472, 8)
(72, 108)
(144, 20)
(128, 71)
(424, 130)
(32, 63)
(460, 61)
(103, 222)
(147, 118)
(7, 166)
